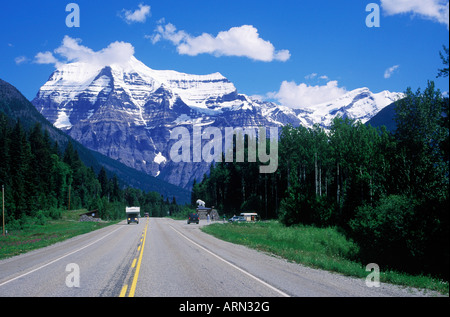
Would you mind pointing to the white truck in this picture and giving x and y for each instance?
(133, 214)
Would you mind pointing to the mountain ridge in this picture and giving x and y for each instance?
(125, 111)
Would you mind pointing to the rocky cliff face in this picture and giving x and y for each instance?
(127, 111)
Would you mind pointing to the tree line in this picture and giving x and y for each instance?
(41, 180)
(387, 190)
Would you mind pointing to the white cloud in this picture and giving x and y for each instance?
(46, 58)
(71, 50)
(20, 60)
(303, 95)
(243, 41)
(257, 97)
(316, 76)
(388, 73)
(311, 76)
(139, 15)
(437, 10)
(168, 32)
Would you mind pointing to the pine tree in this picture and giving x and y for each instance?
(103, 180)
(4, 149)
(40, 162)
(115, 189)
(20, 155)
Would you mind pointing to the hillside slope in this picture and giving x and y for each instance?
(17, 107)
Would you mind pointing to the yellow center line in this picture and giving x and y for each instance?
(124, 291)
(138, 268)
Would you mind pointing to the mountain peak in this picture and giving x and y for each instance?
(359, 104)
(126, 111)
(73, 79)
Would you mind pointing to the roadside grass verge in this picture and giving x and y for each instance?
(321, 248)
(34, 236)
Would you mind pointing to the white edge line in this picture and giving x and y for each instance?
(232, 265)
(58, 259)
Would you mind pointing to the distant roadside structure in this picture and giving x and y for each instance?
(201, 203)
(203, 212)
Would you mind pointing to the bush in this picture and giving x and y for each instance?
(322, 210)
(14, 224)
(40, 218)
(326, 241)
(300, 208)
(384, 232)
(54, 213)
(291, 209)
(113, 211)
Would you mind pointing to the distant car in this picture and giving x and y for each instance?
(237, 219)
(146, 215)
(193, 218)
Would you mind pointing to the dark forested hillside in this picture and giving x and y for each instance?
(16, 107)
(40, 181)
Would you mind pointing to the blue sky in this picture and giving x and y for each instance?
(287, 50)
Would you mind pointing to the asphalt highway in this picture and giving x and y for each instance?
(168, 258)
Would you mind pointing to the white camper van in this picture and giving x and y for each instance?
(133, 214)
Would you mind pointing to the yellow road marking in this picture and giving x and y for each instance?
(123, 291)
(138, 268)
(133, 264)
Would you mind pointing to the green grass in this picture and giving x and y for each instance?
(322, 248)
(35, 236)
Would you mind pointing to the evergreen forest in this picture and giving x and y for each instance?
(40, 181)
(386, 190)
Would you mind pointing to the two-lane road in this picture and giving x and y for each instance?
(167, 258)
(102, 258)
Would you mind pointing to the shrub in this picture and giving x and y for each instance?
(294, 208)
(384, 231)
(40, 218)
(55, 213)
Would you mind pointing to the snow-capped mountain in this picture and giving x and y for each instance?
(360, 104)
(76, 91)
(126, 111)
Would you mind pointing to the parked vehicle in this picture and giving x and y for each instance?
(193, 218)
(237, 219)
(250, 216)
